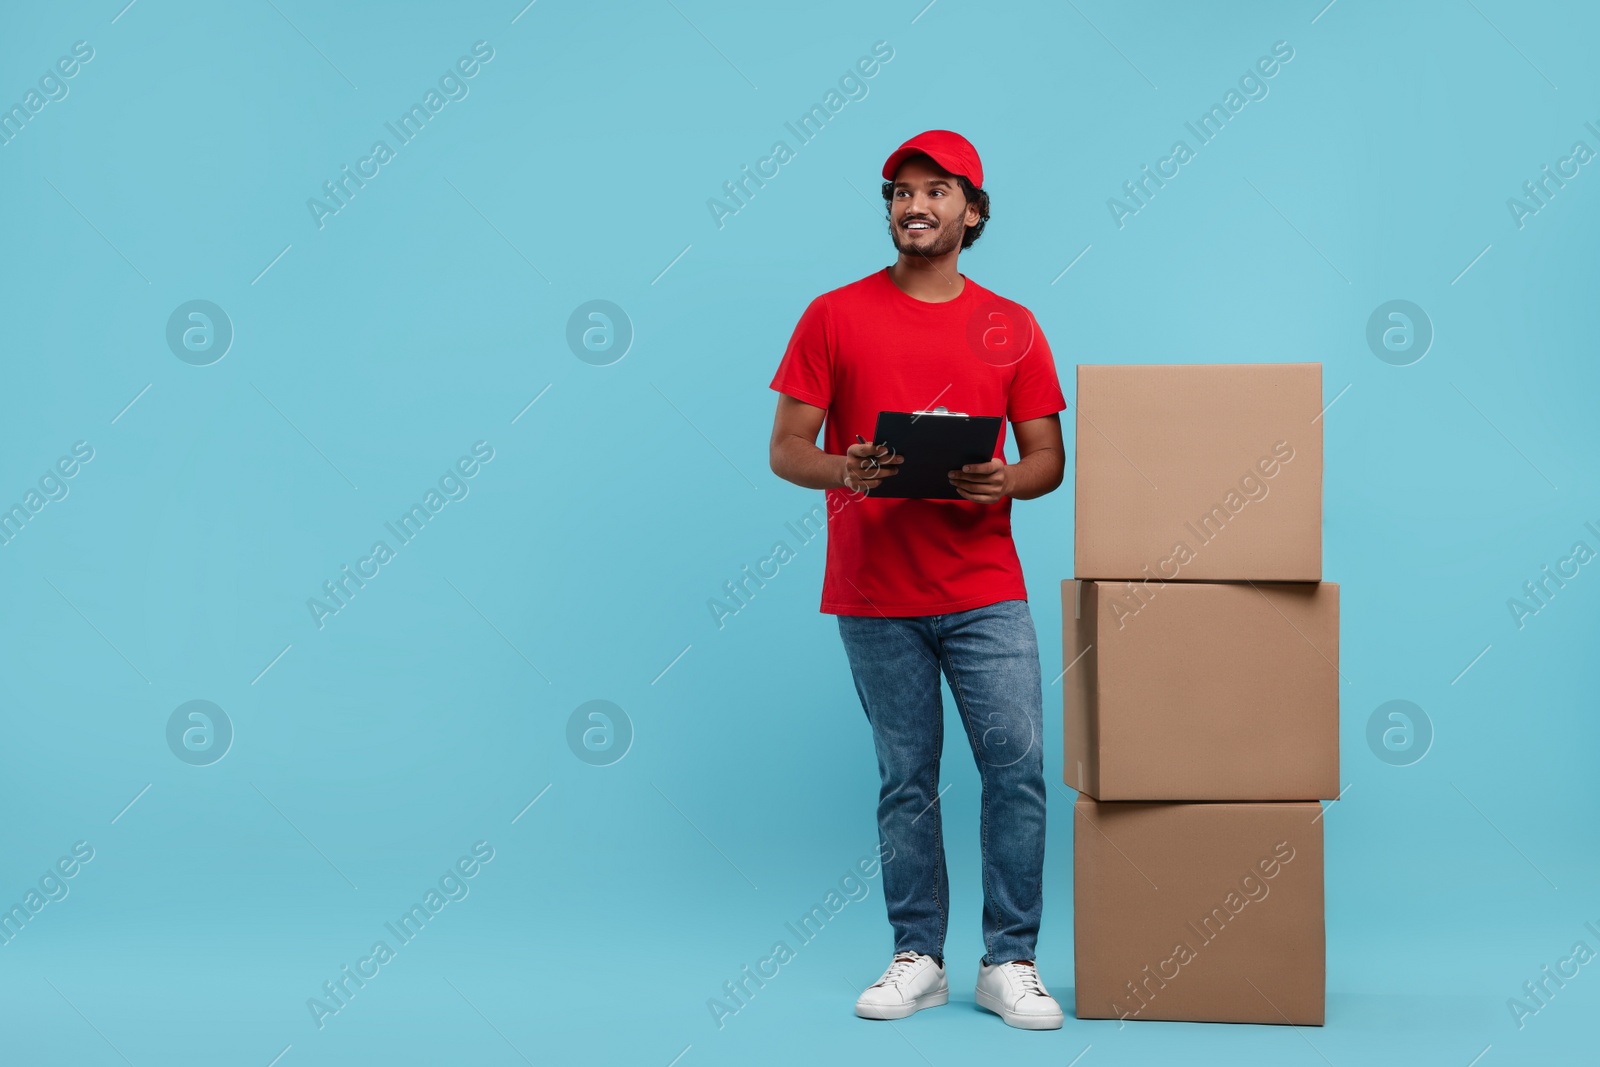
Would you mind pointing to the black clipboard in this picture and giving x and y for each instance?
(934, 443)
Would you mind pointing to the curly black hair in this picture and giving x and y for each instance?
(973, 194)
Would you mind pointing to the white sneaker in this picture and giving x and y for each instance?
(1014, 992)
(912, 982)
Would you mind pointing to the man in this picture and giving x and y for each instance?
(924, 584)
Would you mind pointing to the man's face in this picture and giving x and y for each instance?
(928, 213)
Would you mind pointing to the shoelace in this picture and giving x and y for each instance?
(898, 971)
(1027, 976)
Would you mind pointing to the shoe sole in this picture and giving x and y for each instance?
(1021, 1022)
(900, 1011)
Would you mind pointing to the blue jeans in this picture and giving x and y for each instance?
(990, 656)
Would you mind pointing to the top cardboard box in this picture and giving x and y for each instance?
(1204, 472)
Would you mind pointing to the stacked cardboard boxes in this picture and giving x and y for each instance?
(1201, 693)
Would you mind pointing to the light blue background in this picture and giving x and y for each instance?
(429, 312)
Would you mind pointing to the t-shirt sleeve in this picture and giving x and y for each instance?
(806, 371)
(1035, 389)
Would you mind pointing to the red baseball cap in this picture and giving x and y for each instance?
(950, 150)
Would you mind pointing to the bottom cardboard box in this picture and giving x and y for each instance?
(1200, 912)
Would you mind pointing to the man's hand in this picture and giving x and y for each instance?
(866, 466)
(983, 483)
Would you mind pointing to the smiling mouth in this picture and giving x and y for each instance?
(917, 226)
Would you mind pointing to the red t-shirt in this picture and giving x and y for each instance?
(868, 347)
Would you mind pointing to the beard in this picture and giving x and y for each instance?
(938, 242)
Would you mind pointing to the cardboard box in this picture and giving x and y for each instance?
(1201, 691)
(1210, 472)
(1199, 912)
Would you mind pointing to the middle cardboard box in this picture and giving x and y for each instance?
(1200, 690)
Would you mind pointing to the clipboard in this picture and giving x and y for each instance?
(933, 444)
